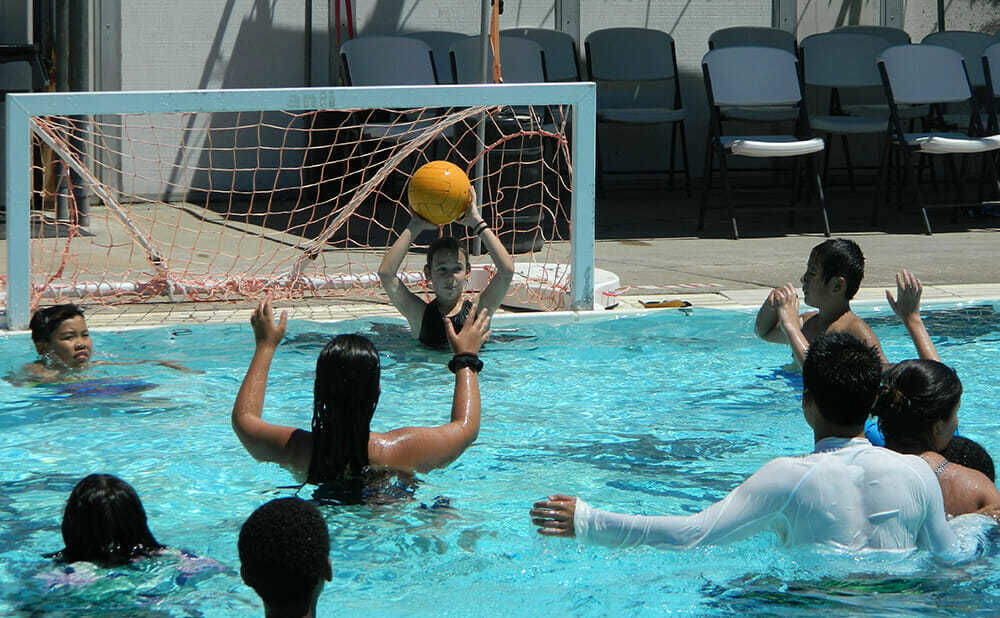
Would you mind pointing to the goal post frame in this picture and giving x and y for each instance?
(20, 108)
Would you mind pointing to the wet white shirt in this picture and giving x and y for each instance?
(846, 493)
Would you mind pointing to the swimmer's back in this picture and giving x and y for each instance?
(860, 496)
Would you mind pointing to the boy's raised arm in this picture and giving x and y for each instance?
(766, 324)
(786, 302)
(494, 293)
(405, 301)
(906, 305)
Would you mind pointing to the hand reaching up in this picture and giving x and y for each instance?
(474, 332)
(265, 331)
(908, 291)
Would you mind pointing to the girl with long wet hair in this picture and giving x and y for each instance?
(104, 523)
(341, 447)
(917, 409)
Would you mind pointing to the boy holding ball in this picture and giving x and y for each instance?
(447, 269)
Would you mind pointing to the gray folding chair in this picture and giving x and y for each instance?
(387, 61)
(561, 63)
(756, 36)
(841, 60)
(440, 43)
(991, 65)
(935, 76)
(638, 85)
(521, 61)
(971, 45)
(894, 36)
(751, 77)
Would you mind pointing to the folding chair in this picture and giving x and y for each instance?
(522, 61)
(971, 45)
(440, 43)
(635, 69)
(932, 75)
(387, 61)
(991, 64)
(561, 63)
(894, 36)
(842, 60)
(751, 77)
(756, 36)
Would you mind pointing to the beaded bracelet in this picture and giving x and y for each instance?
(460, 361)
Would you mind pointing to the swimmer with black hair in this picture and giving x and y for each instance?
(64, 347)
(917, 409)
(284, 549)
(447, 269)
(832, 278)
(341, 449)
(104, 525)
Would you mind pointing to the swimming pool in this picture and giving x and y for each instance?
(657, 413)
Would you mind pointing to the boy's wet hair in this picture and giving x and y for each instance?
(916, 394)
(447, 243)
(104, 523)
(971, 454)
(840, 257)
(842, 376)
(45, 321)
(284, 549)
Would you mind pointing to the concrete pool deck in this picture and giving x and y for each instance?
(647, 237)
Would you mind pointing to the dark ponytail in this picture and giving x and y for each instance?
(915, 394)
(345, 394)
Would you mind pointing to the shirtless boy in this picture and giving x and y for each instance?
(832, 278)
(448, 269)
(64, 346)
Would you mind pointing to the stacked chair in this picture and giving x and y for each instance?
(749, 77)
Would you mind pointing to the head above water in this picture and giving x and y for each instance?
(918, 404)
(971, 454)
(60, 334)
(841, 377)
(284, 549)
(447, 268)
(840, 257)
(104, 523)
(345, 394)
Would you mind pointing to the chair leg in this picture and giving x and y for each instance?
(723, 172)
(813, 171)
(883, 180)
(912, 178)
(684, 157)
(827, 155)
(706, 181)
(673, 152)
(847, 161)
(600, 164)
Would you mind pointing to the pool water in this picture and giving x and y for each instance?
(658, 413)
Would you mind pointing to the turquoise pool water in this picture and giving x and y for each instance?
(659, 413)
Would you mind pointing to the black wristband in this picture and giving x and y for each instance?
(482, 227)
(465, 360)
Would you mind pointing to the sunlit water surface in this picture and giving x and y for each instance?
(660, 413)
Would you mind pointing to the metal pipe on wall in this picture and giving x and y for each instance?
(484, 62)
(79, 81)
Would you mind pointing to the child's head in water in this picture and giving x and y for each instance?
(284, 549)
(447, 268)
(61, 336)
(104, 523)
(834, 273)
(971, 454)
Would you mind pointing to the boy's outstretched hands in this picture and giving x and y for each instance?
(908, 291)
(265, 331)
(554, 516)
(474, 332)
(785, 301)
